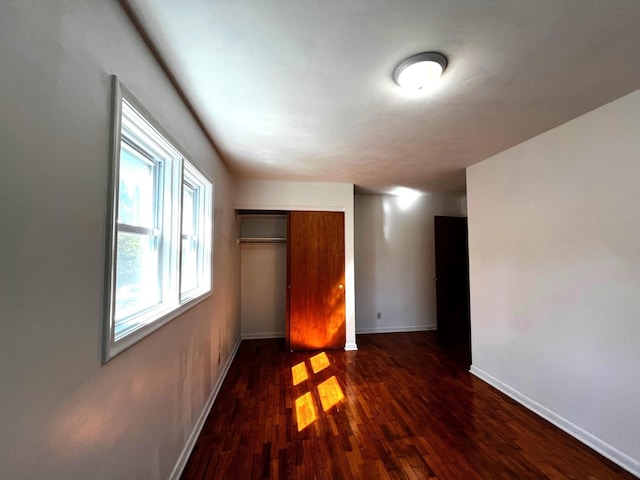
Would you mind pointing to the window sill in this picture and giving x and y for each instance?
(163, 317)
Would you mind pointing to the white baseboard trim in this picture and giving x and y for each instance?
(616, 456)
(350, 347)
(197, 428)
(262, 335)
(394, 329)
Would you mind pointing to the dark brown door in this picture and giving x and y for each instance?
(452, 284)
(315, 280)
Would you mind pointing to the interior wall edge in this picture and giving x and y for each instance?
(603, 448)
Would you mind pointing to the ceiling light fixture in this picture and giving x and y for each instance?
(420, 71)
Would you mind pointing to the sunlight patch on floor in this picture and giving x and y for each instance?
(330, 393)
(299, 373)
(305, 411)
(319, 362)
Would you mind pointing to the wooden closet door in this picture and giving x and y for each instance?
(315, 279)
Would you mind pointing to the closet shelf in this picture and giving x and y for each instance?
(263, 216)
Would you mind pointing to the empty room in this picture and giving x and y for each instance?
(319, 240)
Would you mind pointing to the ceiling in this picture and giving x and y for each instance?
(303, 89)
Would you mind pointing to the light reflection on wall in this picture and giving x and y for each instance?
(398, 198)
(405, 197)
(91, 419)
(329, 391)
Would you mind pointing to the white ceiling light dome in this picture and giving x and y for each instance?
(420, 71)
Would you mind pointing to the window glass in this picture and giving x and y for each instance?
(189, 265)
(137, 190)
(188, 210)
(137, 286)
(189, 251)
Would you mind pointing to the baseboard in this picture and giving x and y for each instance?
(350, 347)
(197, 428)
(261, 335)
(616, 456)
(395, 329)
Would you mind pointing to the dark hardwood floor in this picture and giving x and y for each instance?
(409, 411)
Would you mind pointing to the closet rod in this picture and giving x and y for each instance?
(263, 240)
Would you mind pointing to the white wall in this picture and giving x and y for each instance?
(263, 290)
(63, 414)
(263, 277)
(395, 261)
(554, 239)
(272, 195)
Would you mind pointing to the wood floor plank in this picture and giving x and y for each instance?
(410, 410)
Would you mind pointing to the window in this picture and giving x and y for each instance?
(195, 257)
(159, 232)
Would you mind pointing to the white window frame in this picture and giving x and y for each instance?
(203, 191)
(172, 170)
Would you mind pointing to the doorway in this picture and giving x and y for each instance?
(293, 277)
(452, 286)
(263, 260)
